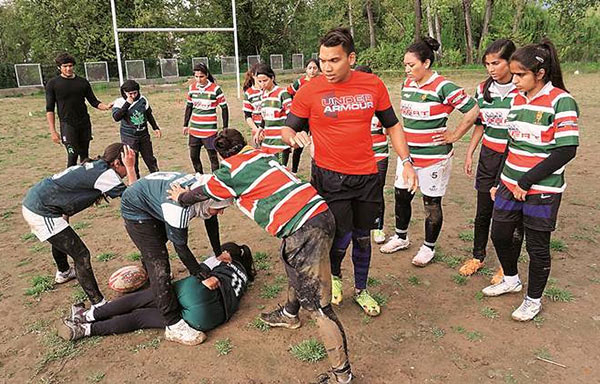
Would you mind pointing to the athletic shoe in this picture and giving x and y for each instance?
(70, 330)
(78, 313)
(470, 267)
(63, 277)
(497, 278)
(278, 318)
(340, 376)
(379, 236)
(394, 244)
(367, 303)
(182, 333)
(502, 288)
(527, 310)
(336, 290)
(424, 256)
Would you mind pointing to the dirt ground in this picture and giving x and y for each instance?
(434, 327)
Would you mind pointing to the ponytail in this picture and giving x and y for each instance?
(424, 49)
(535, 57)
(503, 48)
(201, 67)
(554, 74)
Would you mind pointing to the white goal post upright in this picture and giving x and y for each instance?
(233, 29)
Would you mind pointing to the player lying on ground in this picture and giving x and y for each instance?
(289, 209)
(49, 204)
(151, 219)
(205, 301)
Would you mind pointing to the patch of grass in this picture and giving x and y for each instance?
(373, 282)
(27, 236)
(414, 280)
(311, 350)
(366, 319)
(57, 349)
(39, 285)
(81, 225)
(134, 256)
(558, 294)
(437, 333)
(489, 312)
(539, 321)
(510, 379)
(485, 271)
(262, 261)
(558, 245)
(459, 279)
(523, 257)
(38, 326)
(543, 353)
(23, 262)
(7, 214)
(595, 280)
(38, 248)
(381, 298)
(78, 295)
(474, 336)
(223, 347)
(96, 377)
(270, 291)
(449, 260)
(106, 256)
(151, 344)
(257, 323)
(466, 236)
(459, 329)
(479, 296)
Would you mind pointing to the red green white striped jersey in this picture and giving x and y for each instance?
(204, 101)
(492, 116)
(274, 107)
(425, 109)
(295, 86)
(252, 101)
(535, 127)
(380, 140)
(265, 191)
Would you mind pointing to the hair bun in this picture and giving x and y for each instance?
(432, 43)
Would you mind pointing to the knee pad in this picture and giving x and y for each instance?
(403, 195)
(362, 239)
(433, 208)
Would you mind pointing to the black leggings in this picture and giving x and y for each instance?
(538, 248)
(284, 156)
(67, 242)
(127, 313)
(142, 145)
(197, 163)
(296, 158)
(483, 219)
(433, 210)
(382, 167)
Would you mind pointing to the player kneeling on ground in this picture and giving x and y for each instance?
(292, 210)
(206, 300)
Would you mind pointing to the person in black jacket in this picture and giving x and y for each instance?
(68, 92)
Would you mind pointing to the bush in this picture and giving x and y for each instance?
(452, 58)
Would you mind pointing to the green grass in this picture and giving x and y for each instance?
(270, 291)
(223, 347)
(558, 245)
(523, 257)
(23, 262)
(381, 298)
(449, 260)
(479, 296)
(437, 333)
(39, 285)
(96, 377)
(262, 261)
(485, 271)
(373, 282)
(57, 349)
(459, 329)
(539, 321)
(134, 256)
(474, 336)
(257, 323)
(151, 344)
(38, 248)
(106, 256)
(81, 225)
(414, 280)
(27, 236)
(466, 236)
(460, 279)
(489, 312)
(311, 350)
(78, 295)
(366, 319)
(558, 294)
(543, 353)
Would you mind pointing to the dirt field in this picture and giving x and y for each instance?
(434, 328)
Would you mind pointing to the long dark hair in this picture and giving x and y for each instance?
(249, 77)
(503, 48)
(243, 255)
(229, 142)
(111, 153)
(535, 57)
(424, 49)
(265, 69)
(201, 67)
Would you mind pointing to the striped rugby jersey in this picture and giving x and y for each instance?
(535, 127)
(425, 111)
(380, 140)
(492, 116)
(295, 86)
(204, 101)
(252, 101)
(274, 108)
(265, 191)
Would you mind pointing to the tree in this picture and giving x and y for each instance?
(371, 21)
(468, 31)
(489, 4)
(418, 18)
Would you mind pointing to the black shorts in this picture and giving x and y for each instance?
(538, 212)
(354, 200)
(76, 135)
(206, 142)
(487, 169)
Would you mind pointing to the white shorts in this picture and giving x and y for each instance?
(44, 227)
(433, 180)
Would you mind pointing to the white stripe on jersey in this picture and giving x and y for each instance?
(107, 181)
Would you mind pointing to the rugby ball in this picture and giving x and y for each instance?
(127, 279)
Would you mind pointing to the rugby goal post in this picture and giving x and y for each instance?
(117, 30)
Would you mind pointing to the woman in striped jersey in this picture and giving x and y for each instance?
(200, 120)
(494, 97)
(311, 70)
(274, 107)
(252, 100)
(543, 137)
(427, 100)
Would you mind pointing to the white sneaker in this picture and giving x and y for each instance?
(378, 236)
(527, 310)
(424, 256)
(394, 244)
(63, 277)
(501, 288)
(182, 333)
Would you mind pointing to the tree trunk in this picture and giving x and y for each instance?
(489, 5)
(520, 4)
(429, 21)
(418, 18)
(468, 31)
(438, 31)
(369, 6)
(350, 17)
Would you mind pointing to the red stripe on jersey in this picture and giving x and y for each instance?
(270, 150)
(203, 119)
(424, 163)
(379, 139)
(218, 189)
(268, 185)
(238, 160)
(494, 146)
(202, 133)
(523, 161)
(290, 208)
(272, 131)
(531, 191)
(421, 138)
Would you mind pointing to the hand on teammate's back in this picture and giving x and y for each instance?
(211, 283)
(175, 191)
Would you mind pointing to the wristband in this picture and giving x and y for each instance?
(407, 160)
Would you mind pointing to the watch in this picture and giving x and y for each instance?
(407, 160)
